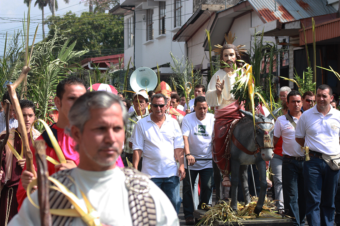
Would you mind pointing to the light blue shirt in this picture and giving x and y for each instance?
(13, 123)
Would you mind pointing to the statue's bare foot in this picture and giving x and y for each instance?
(269, 183)
(226, 182)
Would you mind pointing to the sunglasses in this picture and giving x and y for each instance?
(158, 105)
(309, 101)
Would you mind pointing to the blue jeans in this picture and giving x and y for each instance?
(206, 176)
(170, 186)
(293, 190)
(320, 180)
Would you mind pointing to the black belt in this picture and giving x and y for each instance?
(315, 154)
(296, 158)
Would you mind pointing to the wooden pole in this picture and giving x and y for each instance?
(43, 183)
(15, 102)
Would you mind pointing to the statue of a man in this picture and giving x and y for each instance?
(225, 105)
(220, 85)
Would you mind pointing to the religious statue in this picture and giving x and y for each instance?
(226, 107)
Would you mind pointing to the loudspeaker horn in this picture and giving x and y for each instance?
(143, 78)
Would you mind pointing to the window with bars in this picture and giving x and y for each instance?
(149, 24)
(178, 13)
(162, 18)
(130, 31)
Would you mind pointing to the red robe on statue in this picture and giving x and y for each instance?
(223, 118)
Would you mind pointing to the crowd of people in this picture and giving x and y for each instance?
(161, 137)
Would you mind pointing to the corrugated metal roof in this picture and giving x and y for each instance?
(307, 8)
(324, 31)
(290, 10)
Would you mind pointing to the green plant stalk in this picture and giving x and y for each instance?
(306, 46)
(35, 35)
(314, 49)
(173, 83)
(270, 76)
(28, 32)
(192, 76)
(126, 75)
(158, 75)
(210, 59)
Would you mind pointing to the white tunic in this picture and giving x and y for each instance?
(226, 97)
(108, 195)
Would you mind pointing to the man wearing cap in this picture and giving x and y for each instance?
(319, 129)
(159, 138)
(97, 122)
(141, 111)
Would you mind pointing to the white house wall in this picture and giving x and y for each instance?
(128, 51)
(240, 28)
(196, 51)
(157, 51)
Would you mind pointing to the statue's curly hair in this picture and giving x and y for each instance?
(238, 55)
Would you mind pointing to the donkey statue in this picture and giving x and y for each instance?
(248, 148)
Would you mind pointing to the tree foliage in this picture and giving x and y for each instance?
(100, 5)
(49, 64)
(102, 34)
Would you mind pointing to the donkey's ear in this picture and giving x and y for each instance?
(275, 112)
(248, 114)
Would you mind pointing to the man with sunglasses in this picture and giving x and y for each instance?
(308, 100)
(159, 138)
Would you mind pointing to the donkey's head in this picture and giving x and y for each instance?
(264, 128)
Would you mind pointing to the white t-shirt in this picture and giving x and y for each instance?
(199, 135)
(285, 129)
(108, 195)
(321, 132)
(180, 107)
(131, 109)
(157, 145)
(191, 104)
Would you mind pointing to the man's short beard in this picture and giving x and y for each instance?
(230, 63)
(103, 164)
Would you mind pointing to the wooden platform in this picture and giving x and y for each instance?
(256, 222)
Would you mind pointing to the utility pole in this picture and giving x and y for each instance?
(53, 7)
(90, 6)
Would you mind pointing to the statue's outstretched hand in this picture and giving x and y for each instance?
(219, 86)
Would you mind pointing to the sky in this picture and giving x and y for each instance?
(12, 14)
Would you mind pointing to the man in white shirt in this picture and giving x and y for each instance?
(199, 91)
(293, 160)
(319, 129)
(197, 131)
(97, 125)
(159, 138)
(13, 123)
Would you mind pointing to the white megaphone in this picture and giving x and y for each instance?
(143, 78)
